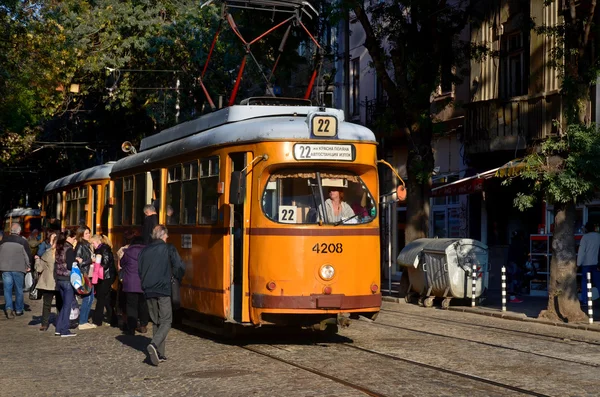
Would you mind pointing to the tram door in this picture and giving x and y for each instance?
(238, 163)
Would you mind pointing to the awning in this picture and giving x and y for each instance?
(474, 184)
(512, 168)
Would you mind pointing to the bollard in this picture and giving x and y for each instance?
(589, 296)
(503, 288)
(474, 283)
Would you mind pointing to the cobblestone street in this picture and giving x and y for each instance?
(408, 351)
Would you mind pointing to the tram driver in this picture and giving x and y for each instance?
(336, 210)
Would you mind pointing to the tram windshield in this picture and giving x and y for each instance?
(300, 197)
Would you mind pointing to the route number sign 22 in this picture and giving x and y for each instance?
(324, 126)
(287, 214)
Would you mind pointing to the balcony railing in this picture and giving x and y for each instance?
(496, 124)
(374, 108)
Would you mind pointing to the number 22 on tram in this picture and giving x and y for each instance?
(273, 209)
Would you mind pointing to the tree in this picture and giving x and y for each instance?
(565, 171)
(411, 44)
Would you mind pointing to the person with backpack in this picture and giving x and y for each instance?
(159, 264)
(65, 257)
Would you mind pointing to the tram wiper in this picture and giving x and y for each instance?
(344, 220)
(323, 210)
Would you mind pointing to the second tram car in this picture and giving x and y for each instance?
(272, 208)
(29, 219)
(79, 199)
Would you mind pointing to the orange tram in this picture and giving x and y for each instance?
(246, 193)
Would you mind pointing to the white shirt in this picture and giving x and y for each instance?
(588, 249)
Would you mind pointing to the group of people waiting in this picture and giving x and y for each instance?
(53, 269)
(52, 259)
(147, 268)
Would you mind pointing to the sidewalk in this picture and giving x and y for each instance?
(528, 310)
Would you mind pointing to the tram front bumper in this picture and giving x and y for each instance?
(316, 301)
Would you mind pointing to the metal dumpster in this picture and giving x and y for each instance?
(443, 267)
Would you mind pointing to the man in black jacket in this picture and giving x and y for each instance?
(157, 264)
(150, 222)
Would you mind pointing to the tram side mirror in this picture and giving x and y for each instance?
(401, 193)
(237, 188)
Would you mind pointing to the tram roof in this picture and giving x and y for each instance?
(237, 124)
(89, 174)
(22, 212)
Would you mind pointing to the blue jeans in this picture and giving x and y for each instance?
(16, 280)
(595, 281)
(86, 306)
(68, 294)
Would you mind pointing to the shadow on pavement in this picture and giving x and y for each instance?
(137, 342)
(268, 336)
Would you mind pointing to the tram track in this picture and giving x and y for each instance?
(336, 379)
(449, 371)
(379, 323)
(371, 392)
(527, 334)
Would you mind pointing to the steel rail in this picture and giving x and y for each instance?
(449, 371)
(379, 323)
(531, 335)
(354, 386)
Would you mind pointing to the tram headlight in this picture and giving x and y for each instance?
(326, 272)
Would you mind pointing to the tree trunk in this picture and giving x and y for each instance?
(563, 303)
(419, 166)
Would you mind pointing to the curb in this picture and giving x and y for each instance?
(515, 317)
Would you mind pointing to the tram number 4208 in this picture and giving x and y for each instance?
(332, 248)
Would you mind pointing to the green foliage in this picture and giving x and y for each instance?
(565, 170)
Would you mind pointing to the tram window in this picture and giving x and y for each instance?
(140, 198)
(208, 197)
(118, 195)
(155, 189)
(81, 204)
(174, 195)
(127, 200)
(189, 193)
(72, 207)
(294, 197)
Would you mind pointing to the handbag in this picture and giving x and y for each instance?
(34, 293)
(175, 294)
(80, 282)
(28, 281)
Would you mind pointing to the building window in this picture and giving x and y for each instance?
(326, 99)
(446, 214)
(208, 197)
(446, 67)
(355, 89)
(174, 195)
(513, 80)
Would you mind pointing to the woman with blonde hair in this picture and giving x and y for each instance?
(104, 283)
(44, 266)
